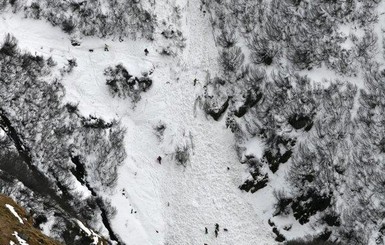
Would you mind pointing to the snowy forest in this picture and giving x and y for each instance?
(192, 122)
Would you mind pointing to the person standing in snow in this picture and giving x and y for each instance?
(159, 159)
(106, 48)
(216, 229)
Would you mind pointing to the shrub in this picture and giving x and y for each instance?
(35, 7)
(227, 39)
(302, 56)
(309, 204)
(123, 84)
(313, 241)
(51, 62)
(182, 155)
(231, 59)
(159, 130)
(9, 46)
(283, 201)
(68, 26)
(258, 179)
(263, 50)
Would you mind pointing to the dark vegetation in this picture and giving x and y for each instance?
(311, 242)
(91, 18)
(122, 84)
(182, 155)
(47, 146)
(329, 132)
(258, 179)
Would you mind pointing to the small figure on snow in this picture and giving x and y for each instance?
(159, 159)
(106, 48)
(195, 81)
(146, 52)
(216, 229)
(206, 230)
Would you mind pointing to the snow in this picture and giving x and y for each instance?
(2, 133)
(19, 239)
(254, 147)
(171, 204)
(47, 226)
(13, 211)
(89, 232)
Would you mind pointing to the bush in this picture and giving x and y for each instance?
(263, 50)
(182, 155)
(123, 84)
(283, 201)
(231, 59)
(309, 242)
(302, 56)
(9, 46)
(309, 204)
(159, 130)
(68, 26)
(227, 39)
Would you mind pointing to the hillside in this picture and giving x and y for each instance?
(193, 122)
(17, 226)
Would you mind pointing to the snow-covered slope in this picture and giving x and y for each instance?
(194, 122)
(158, 203)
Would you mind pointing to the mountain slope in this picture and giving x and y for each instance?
(16, 225)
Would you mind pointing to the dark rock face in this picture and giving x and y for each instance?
(75, 43)
(299, 121)
(268, 60)
(251, 100)
(274, 160)
(279, 237)
(309, 204)
(332, 219)
(79, 171)
(216, 113)
(259, 180)
(254, 184)
(276, 155)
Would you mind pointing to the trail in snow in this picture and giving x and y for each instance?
(205, 193)
(159, 204)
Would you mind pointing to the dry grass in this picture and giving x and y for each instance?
(9, 224)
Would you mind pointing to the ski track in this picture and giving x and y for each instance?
(173, 204)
